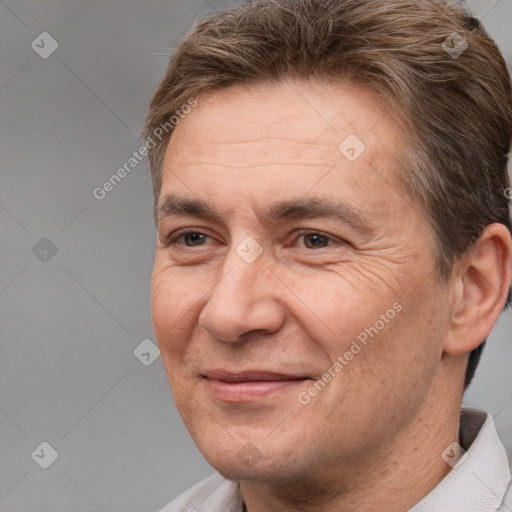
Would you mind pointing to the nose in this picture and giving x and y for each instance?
(244, 300)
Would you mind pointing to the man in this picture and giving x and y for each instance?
(333, 250)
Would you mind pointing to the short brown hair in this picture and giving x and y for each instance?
(456, 109)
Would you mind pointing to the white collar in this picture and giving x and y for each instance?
(480, 479)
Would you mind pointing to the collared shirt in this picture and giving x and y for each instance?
(479, 482)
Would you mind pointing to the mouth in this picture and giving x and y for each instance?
(247, 386)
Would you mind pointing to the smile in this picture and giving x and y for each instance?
(248, 386)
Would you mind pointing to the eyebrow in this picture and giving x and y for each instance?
(175, 205)
(319, 207)
(295, 209)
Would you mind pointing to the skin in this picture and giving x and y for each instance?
(372, 438)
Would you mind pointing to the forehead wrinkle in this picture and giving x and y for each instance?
(265, 151)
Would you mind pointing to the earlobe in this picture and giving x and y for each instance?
(481, 287)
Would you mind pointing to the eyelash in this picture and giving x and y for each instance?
(306, 232)
(175, 237)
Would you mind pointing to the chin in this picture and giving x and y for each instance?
(241, 458)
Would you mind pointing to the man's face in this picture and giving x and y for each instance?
(289, 254)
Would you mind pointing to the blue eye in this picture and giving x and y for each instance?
(187, 239)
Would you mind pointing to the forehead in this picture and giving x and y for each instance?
(282, 139)
(270, 118)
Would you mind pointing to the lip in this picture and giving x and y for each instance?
(250, 385)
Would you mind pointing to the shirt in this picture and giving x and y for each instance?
(479, 482)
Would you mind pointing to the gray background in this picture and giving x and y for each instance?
(70, 324)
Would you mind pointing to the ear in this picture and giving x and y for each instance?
(481, 283)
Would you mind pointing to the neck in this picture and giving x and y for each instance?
(396, 477)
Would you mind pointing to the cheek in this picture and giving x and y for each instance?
(336, 310)
(377, 332)
(174, 299)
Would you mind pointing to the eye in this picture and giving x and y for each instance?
(193, 239)
(315, 240)
(188, 238)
